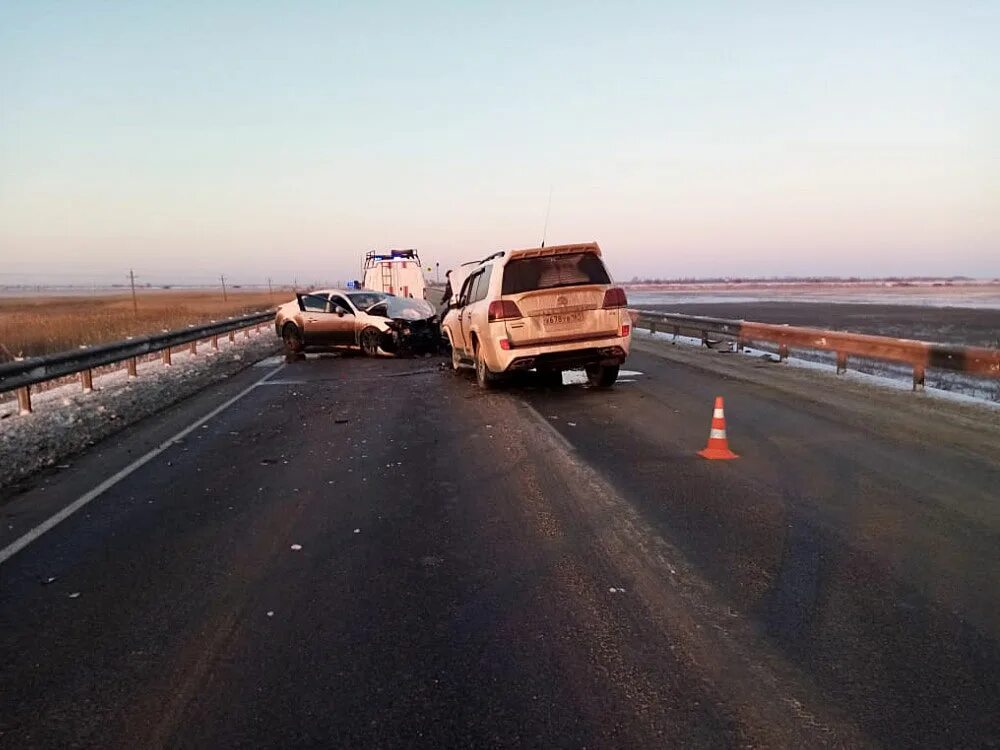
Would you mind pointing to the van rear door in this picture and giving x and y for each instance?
(560, 293)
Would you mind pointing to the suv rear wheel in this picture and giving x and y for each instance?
(602, 376)
(484, 376)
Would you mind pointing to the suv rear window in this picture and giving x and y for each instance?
(529, 274)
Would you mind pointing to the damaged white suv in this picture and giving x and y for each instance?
(547, 309)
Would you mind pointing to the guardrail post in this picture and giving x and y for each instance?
(841, 362)
(133, 367)
(246, 333)
(704, 338)
(652, 326)
(677, 332)
(24, 400)
(166, 357)
(782, 352)
(215, 343)
(194, 347)
(919, 376)
(87, 380)
(232, 337)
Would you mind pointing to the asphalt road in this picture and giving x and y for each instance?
(524, 568)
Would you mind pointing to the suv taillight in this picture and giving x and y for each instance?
(503, 309)
(615, 297)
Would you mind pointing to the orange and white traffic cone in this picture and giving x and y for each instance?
(718, 446)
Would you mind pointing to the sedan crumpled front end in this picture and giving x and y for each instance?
(407, 338)
(409, 326)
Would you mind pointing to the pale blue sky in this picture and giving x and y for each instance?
(191, 138)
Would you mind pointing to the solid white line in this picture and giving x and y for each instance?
(549, 427)
(14, 547)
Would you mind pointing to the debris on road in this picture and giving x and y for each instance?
(47, 581)
(357, 531)
(75, 595)
(616, 590)
(296, 547)
(270, 613)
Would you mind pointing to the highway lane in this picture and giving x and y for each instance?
(833, 587)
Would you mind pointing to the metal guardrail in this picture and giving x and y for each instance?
(920, 355)
(20, 375)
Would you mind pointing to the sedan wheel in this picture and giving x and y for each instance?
(370, 338)
(292, 337)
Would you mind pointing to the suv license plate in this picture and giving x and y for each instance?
(566, 319)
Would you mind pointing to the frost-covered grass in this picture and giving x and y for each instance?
(31, 326)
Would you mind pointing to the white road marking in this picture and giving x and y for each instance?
(16, 546)
(547, 425)
(270, 361)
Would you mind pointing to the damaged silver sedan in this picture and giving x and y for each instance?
(373, 322)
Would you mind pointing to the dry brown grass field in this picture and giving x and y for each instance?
(33, 325)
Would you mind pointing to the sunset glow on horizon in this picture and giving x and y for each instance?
(187, 141)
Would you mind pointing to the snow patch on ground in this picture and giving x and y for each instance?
(66, 419)
(951, 386)
(579, 377)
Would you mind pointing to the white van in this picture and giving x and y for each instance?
(394, 272)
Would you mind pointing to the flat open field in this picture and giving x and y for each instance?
(30, 326)
(953, 325)
(984, 294)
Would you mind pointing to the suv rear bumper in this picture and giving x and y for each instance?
(610, 351)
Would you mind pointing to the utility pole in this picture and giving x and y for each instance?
(438, 266)
(222, 278)
(131, 281)
(270, 291)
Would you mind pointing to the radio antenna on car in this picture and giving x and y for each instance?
(548, 209)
